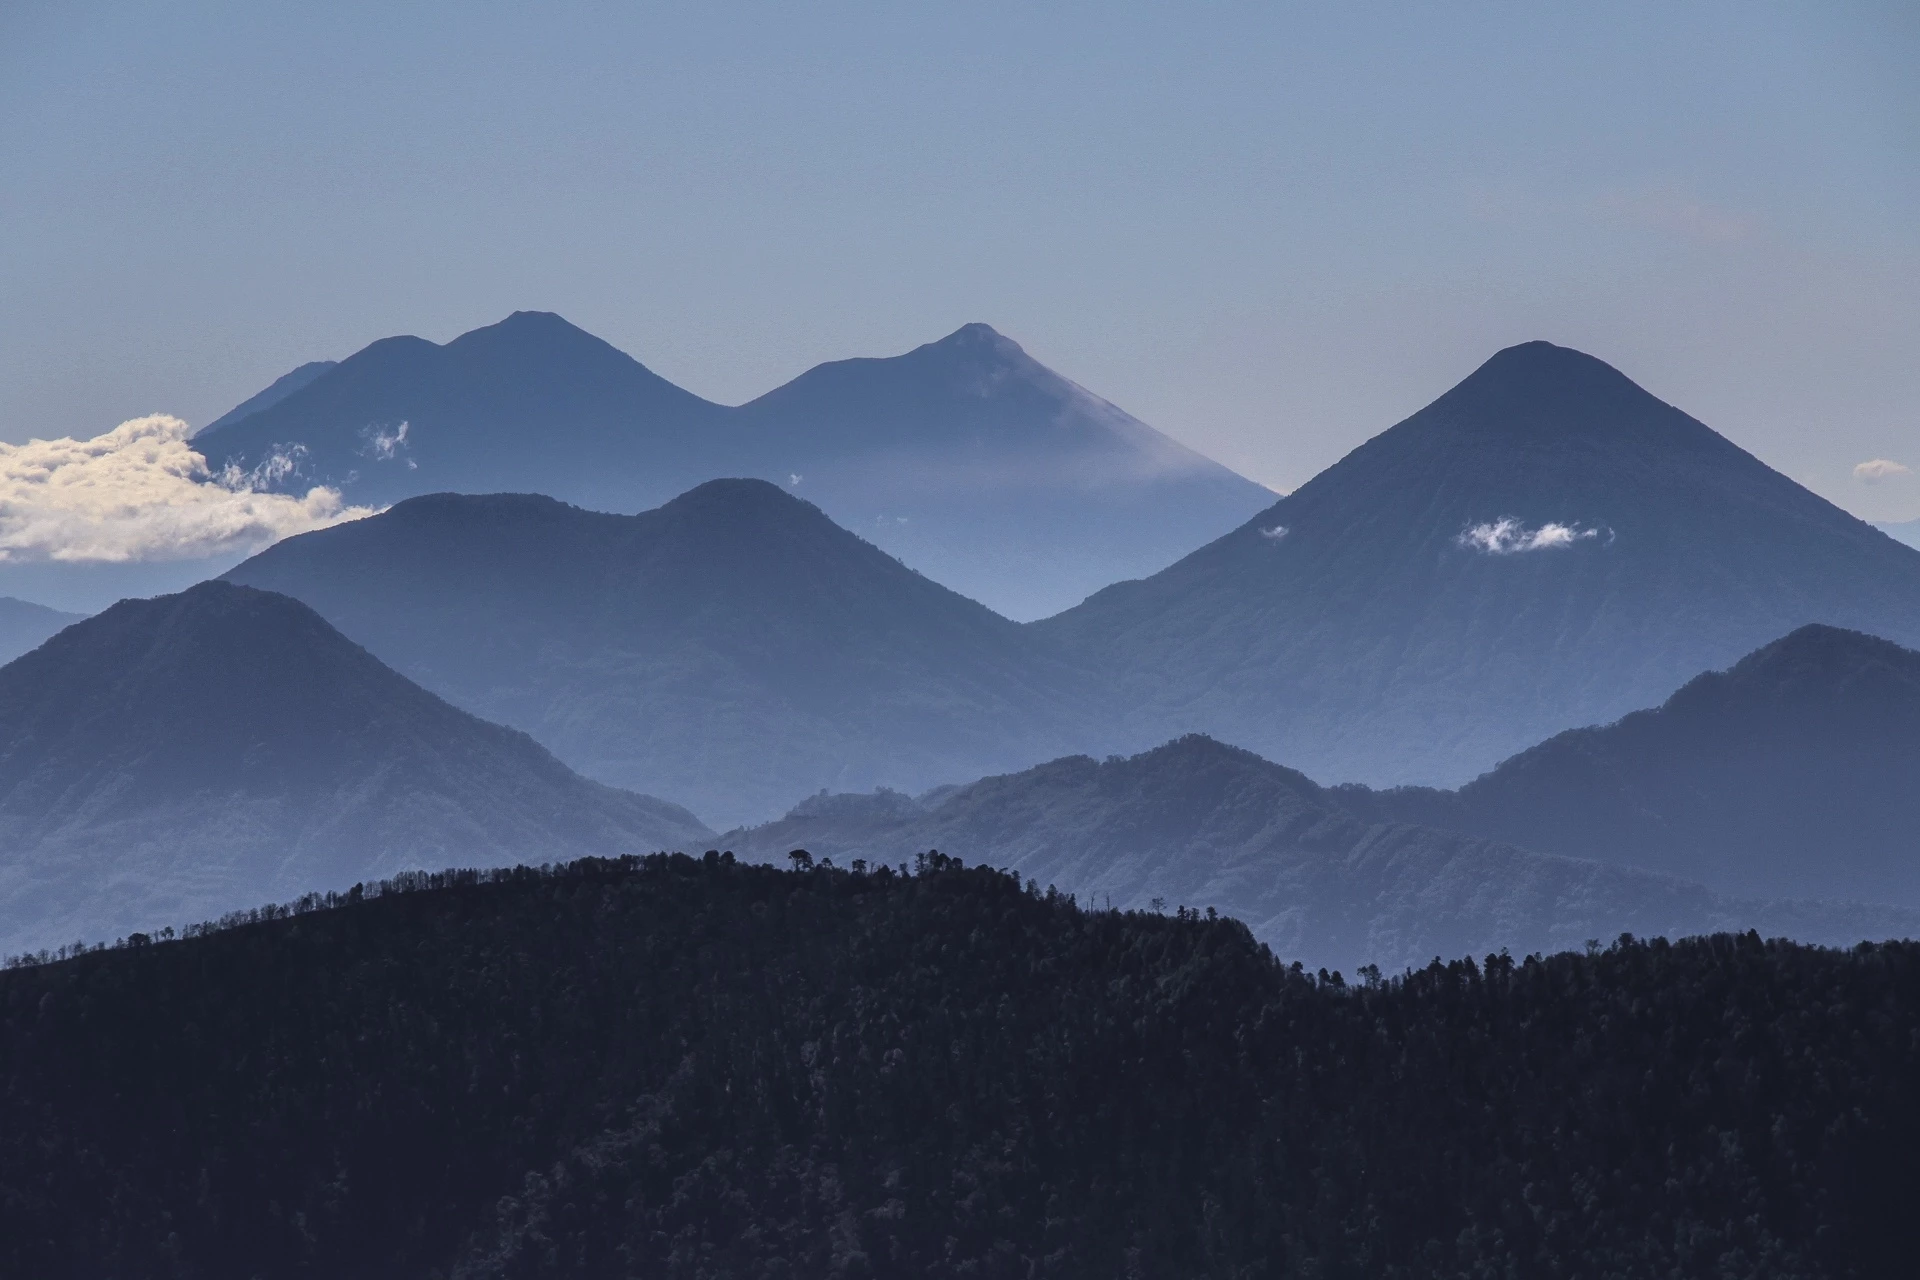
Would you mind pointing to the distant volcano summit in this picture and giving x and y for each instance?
(1544, 546)
(965, 457)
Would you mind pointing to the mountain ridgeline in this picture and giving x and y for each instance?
(734, 648)
(1795, 773)
(174, 759)
(965, 457)
(25, 626)
(1197, 824)
(1544, 546)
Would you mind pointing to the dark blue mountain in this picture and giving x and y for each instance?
(965, 457)
(177, 758)
(734, 647)
(1545, 545)
(1796, 772)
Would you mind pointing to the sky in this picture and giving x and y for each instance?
(1269, 230)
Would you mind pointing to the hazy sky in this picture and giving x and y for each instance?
(1268, 230)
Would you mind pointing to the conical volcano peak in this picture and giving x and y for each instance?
(1537, 385)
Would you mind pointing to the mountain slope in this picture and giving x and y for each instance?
(25, 625)
(172, 759)
(1200, 824)
(1544, 545)
(1796, 773)
(964, 457)
(280, 388)
(734, 647)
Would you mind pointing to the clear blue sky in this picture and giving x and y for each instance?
(1269, 230)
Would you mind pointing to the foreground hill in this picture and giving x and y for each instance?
(1198, 824)
(1794, 773)
(684, 1068)
(173, 759)
(25, 625)
(734, 648)
(965, 457)
(1544, 545)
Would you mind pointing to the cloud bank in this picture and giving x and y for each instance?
(1507, 536)
(141, 492)
(1878, 469)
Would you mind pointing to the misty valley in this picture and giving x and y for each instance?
(924, 821)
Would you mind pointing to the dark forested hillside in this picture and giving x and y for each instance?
(698, 1068)
(1795, 772)
(734, 648)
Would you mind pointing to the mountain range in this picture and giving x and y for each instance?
(174, 759)
(966, 458)
(1546, 545)
(1795, 773)
(734, 648)
(1197, 824)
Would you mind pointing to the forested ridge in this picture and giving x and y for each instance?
(688, 1067)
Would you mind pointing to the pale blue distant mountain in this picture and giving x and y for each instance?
(965, 458)
(733, 648)
(25, 626)
(174, 759)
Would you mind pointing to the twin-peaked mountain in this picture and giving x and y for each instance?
(174, 759)
(1546, 545)
(1795, 773)
(965, 457)
(734, 648)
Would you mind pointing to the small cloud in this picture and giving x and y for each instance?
(793, 480)
(1507, 536)
(1875, 470)
(383, 443)
(1274, 534)
(141, 492)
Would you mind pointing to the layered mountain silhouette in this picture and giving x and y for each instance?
(1199, 824)
(25, 625)
(965, 457)
(281, 387)
(177, 758)
(1795, 773)
(733, 648)
(1545, 545)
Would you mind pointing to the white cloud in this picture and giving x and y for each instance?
(382, 444)
(141, 492)
(1274, 534)
(1877, 469)
(1507, 536)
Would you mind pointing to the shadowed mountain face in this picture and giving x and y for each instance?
(173, 759)
(1544, 545)
(1199, 824)
(1795, 773)
(734, 647)
(965, 457)
(25, 625)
